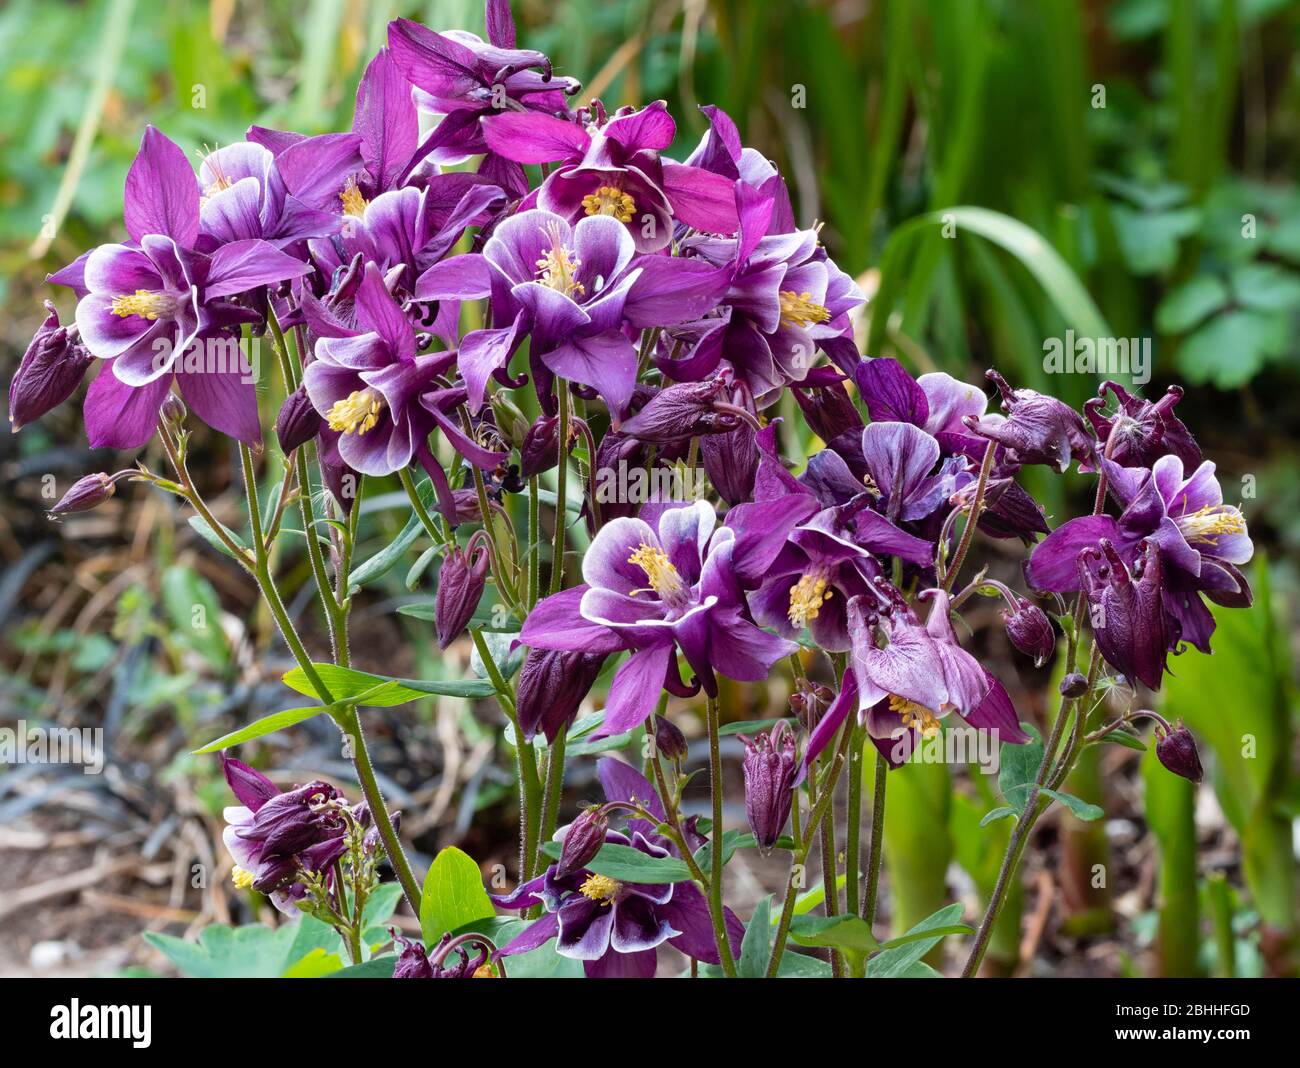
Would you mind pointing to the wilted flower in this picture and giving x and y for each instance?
(1143, 430)
(448, 960)
(50, 371)
(809, 702)
(1038, 429)
(770, 769)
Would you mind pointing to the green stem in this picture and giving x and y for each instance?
(877, 839)
(561, 491)
(551, 798)
(715, 876)
(968, 535)
(534, 542)
(853, 843)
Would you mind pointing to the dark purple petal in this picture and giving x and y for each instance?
(162, 193)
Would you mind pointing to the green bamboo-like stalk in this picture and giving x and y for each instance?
(917, 846)
(1170, 805)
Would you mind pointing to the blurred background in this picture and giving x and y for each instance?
(1149, 147)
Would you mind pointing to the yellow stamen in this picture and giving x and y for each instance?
(663, 576)
(601, 889)
(1206, 524)
(915, 715)
(241, 878)
(353, 202)
(558, 266)
(148, 304)
(798, 309)
(484, 971)
(807, 597)
(356, 413)
(608, 200)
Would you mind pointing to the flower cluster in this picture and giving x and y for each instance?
(524, 253)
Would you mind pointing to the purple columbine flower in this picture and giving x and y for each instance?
(903, 689)
(614, 168)
(1144, 430)
(383, 399)
(551, 688)
(572, 288)
(1202, 542)
(661, 583)
(461, 581)
(244, 196)
(615, 927)
(1126, 609)
(273, 835)
(144, 305)
(464, 78)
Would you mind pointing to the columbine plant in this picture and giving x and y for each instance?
(419, 294)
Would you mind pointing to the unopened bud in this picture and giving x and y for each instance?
(85, 494)
(582, 841)
(1177, 752)
(1074, 685)
(669, 740)
(1030, 631)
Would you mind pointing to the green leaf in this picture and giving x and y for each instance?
(204, 531)
(629, 865)
(453, 895)
(1230, 349)
(347, 686)
(1149, 239)
(192, 604)
(375, 968)
(1120, 736)
(999, 813)
(756, 949)
(731, 841)
(918, 936)
(751, 726)
(1018, 768)
(896, 962)
(253, 951)
(276, 721)
(391, 554)
(842, 932)
(1266, 287)
(1078, 807)
(1190, 303)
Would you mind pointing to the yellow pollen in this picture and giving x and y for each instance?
(798, 309)
(484, 971)
(356, 413)
(353, 202)
(806, 599)
(148, 304)
(556, 271)
(600, 888)
(607, 200)
(663, 576)
(1206, 524)
(241, 878)
(915, 715)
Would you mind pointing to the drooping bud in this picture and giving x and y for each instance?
(1176, 750)
(50, 370)
(552, 684)
(681, 411)
(770, 768)
(669, 740)
(1075, 684)
(85, 494)
(1030, 631)
(298, 421)
(294, 821)
(731, 462)
(460, 585)
(1038, 429)
(829, 410)
(582, 841)
(809, 703)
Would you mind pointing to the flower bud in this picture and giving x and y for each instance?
(552, 684)
(1075, 684)
(582, 841)
(770, 769)
(731, 462)
(1030, 631)
(85, 494)
(50, 370)
(541, 446)
(1177, 752)
(460, 585)
(172, 410)
(809, 703)
(298, 421)
(669, 740)
(294, 821)
(681, 411)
